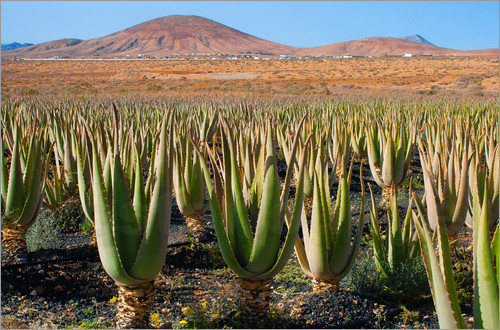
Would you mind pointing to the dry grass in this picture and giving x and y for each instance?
(365, 76)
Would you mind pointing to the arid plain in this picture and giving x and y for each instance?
(476, 76)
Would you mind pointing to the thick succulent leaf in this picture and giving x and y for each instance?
(153, 248)
(462, 203)
(379, 250)
(440, 295)
(447, 268)
(293, 223)
(239, 229)
(396, 250)
(181, 194)
(69, 162)
(139, 203)
(34, 187)
(387, 170)
(125, 226)
(343, 235)
(108, 177)
(103, 227)
(197, 186)
(15, 194)
(82, 184)
(219, 224)
(4, 179)
(318, 249)
(267, 234)
(357, 239)
(486, 304)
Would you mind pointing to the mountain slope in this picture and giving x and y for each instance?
(182, 35)
(168, 36)
(418, 39)
(381, 46)
(14, 45)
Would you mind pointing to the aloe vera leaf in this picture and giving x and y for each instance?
(69, 163)
(291, 239)
(267, 234)
(486, 304)
(387, 171)
(4, 176)
(318, 251)
(219, 225)
(325, 205)
(343, 233)
(197, 186)
(139, 202)
(35, 186)
(239, 230)
(462, 203)
(396, 251)
(15, 194)
(379, 250)
(437, 284)
(181, 194)
(400, 164)
(357, 239)
(30, 163)
(447, 268)
(104, 227)
(373, 165)
(82, 191)
(153, 247)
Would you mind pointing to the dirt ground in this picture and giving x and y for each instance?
(390, 76)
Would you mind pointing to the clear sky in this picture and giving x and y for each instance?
(463, 25)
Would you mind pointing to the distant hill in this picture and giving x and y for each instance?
(14, 45)
(165, 36)
(188, 35)
(418, 39)
(385, 46)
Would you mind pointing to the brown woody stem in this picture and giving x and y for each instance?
(256, 296)
(134, 305)
(14, 242)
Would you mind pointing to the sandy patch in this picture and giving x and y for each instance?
(228, 76)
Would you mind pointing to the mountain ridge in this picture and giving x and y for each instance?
(191, 35)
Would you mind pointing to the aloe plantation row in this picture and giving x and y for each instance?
(127, 160)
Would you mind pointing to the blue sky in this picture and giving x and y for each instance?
(453, 24)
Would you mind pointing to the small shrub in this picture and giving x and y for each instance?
(153, 87)
(43, 233)
(28, 91)
(406, 285)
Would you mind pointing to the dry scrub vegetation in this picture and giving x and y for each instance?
(451, 76)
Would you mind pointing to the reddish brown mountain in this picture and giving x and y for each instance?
(181, 35)
(380, 46)
(165, 36)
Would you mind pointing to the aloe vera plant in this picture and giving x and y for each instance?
(189, 185)
(132, 224)
(481, 179)
(400, 244)
(250, 241)
(446, 185)
(486, 262)
(440, 270)
(325, 253)
(22, 187)
(389, 153)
